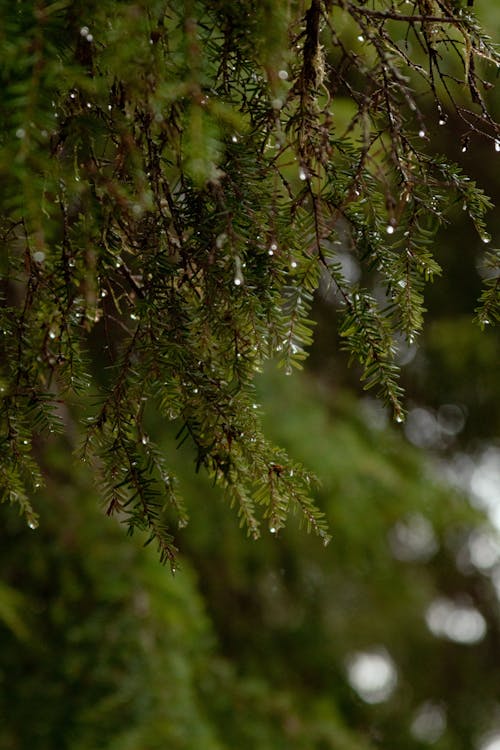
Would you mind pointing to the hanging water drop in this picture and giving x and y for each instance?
(497, 145)
(272, 530)
(238, 275)
(399, 418)
(33, 523)
(293, 264)
(302, 174)
(422, 133)
(390, 229)
(361, 38)
(486, 238)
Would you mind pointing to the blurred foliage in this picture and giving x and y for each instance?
(249, 644)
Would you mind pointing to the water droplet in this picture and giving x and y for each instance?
(238, 275)
(20, 133)
(234, 139)
(72, 95)
(52, 334)
(272, 530)
(33, 523)
(302, 174)
(293, 264)
(422, 133)
(283, 74)
(442, 121)
(399, 417)
(486, 238)
(288, 370)
(497, 145)
(84, 30)
(486, 321)
(361, 38)
(133, 316)
(104, 292)
(390, 229)
(89, 105)
(464, 148)
(145, 440)
(89, 38)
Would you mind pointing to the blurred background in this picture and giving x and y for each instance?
(389, 637)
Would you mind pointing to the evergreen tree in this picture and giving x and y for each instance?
(177, 180)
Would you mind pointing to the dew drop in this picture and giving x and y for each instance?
(302, 174)
(84, 30)
(486, 238)
(234, 139)
(33, 523)
(421, 133)
(361, 38)
(390, 229)
(293, 264)
(464, 148)
(283, 74)
(399, 418)
(497, 146)
(442, 121)
(272, 530)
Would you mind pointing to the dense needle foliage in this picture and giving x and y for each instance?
(176, 181)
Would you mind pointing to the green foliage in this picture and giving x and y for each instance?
(249, 644)
(176, 186)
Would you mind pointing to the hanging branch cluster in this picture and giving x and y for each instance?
(177, 179)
